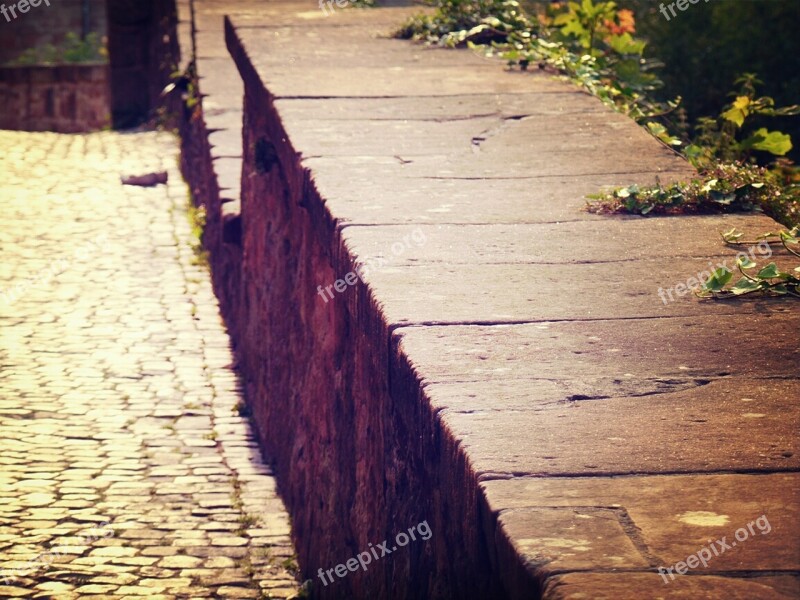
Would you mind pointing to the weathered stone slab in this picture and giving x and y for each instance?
(596, 143)
(704, 512)
(599, 350)
(344, 62)
(567, 539)
(486, 294)
(227, 143)
(467, 106)
(229, 172)
(574, 242)
(634, 586)
(418, 197)
(697, 428)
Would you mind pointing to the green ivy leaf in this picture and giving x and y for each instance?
(769, 272)
(625, 44)
(719, 278)
(745, 263)
(744, 286)
(790, 237)
(738, 112)
(774, 142)
(658, 130)
(733, 235)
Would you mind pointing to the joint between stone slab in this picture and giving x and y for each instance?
(552, 176)
(396, 326)
(517, 475)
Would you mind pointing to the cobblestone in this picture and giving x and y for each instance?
(124, 469)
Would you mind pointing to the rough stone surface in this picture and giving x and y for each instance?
(607, 586)
(64, 98)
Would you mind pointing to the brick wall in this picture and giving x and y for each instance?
(353, 439)
(65, 98)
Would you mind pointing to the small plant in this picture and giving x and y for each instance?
(768, 280)
(730, 180)
(290, 565)
(304, 592)
(241, 408)
(459, 22)
(186, 83)
(720, 188)
(248, 521)
(72, 50)
(197, 220)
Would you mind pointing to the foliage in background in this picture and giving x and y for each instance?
(706, 47)
(593, 43)
(197, 220)
(725, 152)
(728, 137)
(730, 178)
(72, 50)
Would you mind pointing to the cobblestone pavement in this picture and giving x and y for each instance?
(127, 470)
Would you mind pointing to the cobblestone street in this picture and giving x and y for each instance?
(127, 469)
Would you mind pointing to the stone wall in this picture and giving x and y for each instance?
(357, 446)
(358, 450)
(355, 449)
(64, 98)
